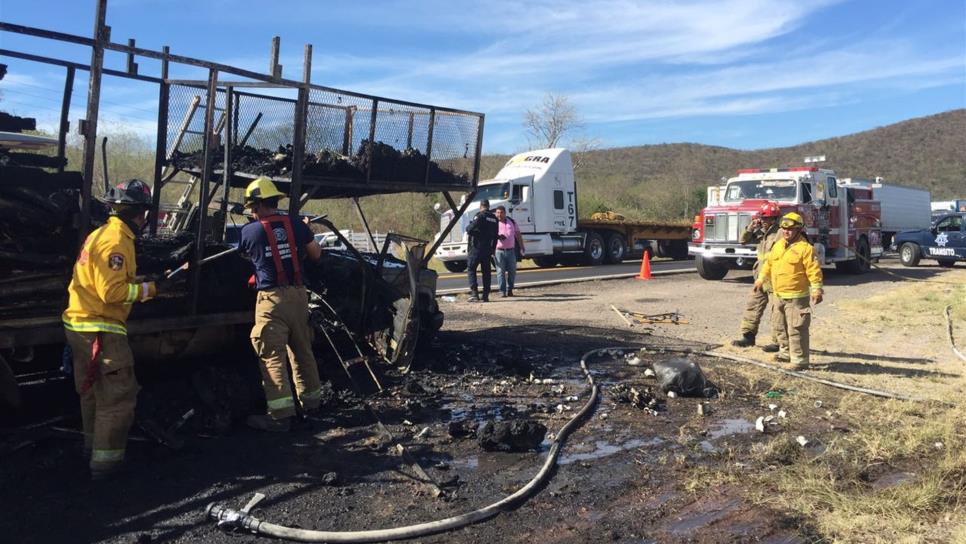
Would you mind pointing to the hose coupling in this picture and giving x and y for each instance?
(230, 519)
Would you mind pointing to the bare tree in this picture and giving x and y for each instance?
(548, 123)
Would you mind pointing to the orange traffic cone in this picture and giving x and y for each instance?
(645, 267)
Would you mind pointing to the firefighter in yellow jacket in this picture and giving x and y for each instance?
(796, 278)
(102, 292)
(764, 230)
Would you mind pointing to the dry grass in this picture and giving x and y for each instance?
(844, 490)
(876, 470)
(837, 489)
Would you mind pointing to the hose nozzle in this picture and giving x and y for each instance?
(230, 519)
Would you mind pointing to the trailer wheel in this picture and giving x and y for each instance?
(455, 266)
(545, 261)
(710, 270)
(594, 250)
(909, 254)
(616, 249)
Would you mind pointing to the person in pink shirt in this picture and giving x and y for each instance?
(508, 240)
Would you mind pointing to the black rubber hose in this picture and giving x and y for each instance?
(240, 519)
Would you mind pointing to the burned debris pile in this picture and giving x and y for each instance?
(387, 164)
(516, 435)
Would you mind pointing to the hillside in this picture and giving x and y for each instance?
(669, 180)
(666, 181)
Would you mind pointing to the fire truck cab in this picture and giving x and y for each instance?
(842, 222)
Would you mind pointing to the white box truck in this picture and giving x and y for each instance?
(903, 208)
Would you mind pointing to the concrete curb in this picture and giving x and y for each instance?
(466, 290)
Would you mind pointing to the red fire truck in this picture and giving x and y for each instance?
(842, 221)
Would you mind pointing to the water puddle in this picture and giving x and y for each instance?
(603, 448)
(467, 463)
(726, 427)
(729, 427)
(894, 479)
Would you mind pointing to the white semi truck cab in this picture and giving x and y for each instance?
(539, 192)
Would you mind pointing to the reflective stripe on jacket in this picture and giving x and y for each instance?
(103, 289)
(793, 269)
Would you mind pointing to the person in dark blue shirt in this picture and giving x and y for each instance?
(277, 247)
(481, 245)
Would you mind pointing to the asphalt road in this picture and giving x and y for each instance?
(449, 284)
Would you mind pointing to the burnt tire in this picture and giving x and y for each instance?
(616, 249)
(709, 269)
(909, 254)
(455, 266)
(594, 249)
(946, 263)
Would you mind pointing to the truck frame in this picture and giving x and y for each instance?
(434, 149)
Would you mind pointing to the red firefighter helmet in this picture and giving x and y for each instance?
(770, 209)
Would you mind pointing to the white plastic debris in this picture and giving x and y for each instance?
(760, 424)
(407, 423)
(772, 407)
(768, 419)
(634, 361)
(782, 414)
(546, 381)
(818, 404)
(938, 445)
(604, 415)
(421, 433)
(649, 372)
(572, 398)
(802, 441)
(671, 395)
(558, 389)
(449, 298)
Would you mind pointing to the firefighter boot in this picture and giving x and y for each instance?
(474, 296)
(781, 357)
(770, 348)
(746, 341)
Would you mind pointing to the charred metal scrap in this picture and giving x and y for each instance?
(388, 163)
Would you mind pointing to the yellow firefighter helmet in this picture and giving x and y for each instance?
(261, 189)
(792, 220)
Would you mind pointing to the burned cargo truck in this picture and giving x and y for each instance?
(214, 136)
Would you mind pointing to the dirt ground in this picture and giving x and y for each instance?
(627, 474)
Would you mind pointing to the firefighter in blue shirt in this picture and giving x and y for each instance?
(277, 246)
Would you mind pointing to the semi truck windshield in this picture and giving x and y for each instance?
(496, 191)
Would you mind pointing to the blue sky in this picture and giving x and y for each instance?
(738, 73)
